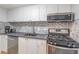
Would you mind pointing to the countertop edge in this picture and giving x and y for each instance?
(34, 37)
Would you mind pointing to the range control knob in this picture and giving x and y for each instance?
(51, 42)
(69, 45)
(73, 46)
(55, 43)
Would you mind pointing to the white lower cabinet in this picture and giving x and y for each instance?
(8, 44)
(0, 44)
(22, 45)
(41, 46)
(3, 43)
(31, 46)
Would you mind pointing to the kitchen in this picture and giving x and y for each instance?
(27, 29)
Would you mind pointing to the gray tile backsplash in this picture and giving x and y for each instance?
(39, 28)
(42, 27)
(59, 25)
(75, 30)
(25, 29)
(73, 26)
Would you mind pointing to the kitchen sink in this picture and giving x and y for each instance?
(28, 34)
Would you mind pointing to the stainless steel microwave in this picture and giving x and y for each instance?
(60, 17)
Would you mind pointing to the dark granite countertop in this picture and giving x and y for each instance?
(35, 36)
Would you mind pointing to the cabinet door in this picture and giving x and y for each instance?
(0, 44)
(37, 46)
(4, 43)
(75, 9)
(64, 8)
(19, 14)
(15, 15)
(3, 15)
(32, 46)
(34, 13)
(12, 15)
(42, 13)
(27, 46)
(51, 8)
(41, 46)
(31, 13)
(23, 42)
(27, 13)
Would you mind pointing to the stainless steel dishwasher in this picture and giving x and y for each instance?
(12, 45)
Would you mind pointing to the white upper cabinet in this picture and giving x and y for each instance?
(31, 13)
(75, 9)
(19, 14)
(28, 13)
(3, 15)
(51, 8)
(34, 13)
(58, 8)
(10, 15)
(64, 8)
(16, 14)
(42, 13)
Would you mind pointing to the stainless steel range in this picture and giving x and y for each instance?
(60, 37)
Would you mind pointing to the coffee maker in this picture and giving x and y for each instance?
(7, 29)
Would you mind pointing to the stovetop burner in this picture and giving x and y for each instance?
(62, 40)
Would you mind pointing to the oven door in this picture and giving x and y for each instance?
(55, 50)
